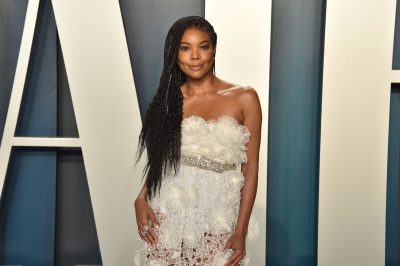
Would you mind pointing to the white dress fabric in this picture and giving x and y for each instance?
(198, 208)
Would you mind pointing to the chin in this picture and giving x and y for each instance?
(197, 75)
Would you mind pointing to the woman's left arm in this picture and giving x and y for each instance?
(252, 120)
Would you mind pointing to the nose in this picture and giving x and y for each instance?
(195, 54)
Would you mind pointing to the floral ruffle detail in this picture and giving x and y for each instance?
(223, 140)
(197, 210)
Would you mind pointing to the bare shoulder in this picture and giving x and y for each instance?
(246, 96)
(246, 100)
(250, 105)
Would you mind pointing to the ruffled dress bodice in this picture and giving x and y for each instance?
(223, 140)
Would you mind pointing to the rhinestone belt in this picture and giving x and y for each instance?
(207, 164)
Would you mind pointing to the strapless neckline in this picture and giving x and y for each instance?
(216, 120)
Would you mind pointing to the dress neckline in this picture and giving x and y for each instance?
(216, 120)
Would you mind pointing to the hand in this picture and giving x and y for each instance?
(146, 221)
(237, 242)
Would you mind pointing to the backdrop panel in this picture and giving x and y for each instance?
(393, 185)
(11, 13)
(392, 247)
(294, 131)
(354, 132)
(76, 236)
(28, 203)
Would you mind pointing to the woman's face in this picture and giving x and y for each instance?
(196, 54)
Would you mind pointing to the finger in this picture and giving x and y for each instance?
(145, 228)
(234, 257)
(141, 233)
(237, 261)
(153, 218)
(152, 235)
(143, 237)
(228, 245)
(149, 238)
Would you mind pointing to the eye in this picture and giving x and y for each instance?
(205, 47)
(184, 48)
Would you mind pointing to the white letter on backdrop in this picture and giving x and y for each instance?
(103, 95)
(354, 132)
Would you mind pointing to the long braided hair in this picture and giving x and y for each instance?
(161, 131)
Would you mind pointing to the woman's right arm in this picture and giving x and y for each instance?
(143, 192)
(145, 217)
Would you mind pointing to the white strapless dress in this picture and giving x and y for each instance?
(198, 207)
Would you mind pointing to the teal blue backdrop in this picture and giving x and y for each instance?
(41, 224)
(393, 185)
(27, 211)
(294, 131)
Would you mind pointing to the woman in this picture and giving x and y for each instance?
(202, 137)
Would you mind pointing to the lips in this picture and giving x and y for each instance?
(196, 67)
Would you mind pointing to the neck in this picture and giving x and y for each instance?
(201, 86)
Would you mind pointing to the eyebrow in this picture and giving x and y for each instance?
(200, 42)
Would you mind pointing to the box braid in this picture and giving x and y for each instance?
(161, 130)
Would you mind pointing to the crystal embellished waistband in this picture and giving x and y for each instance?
(207, 164)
